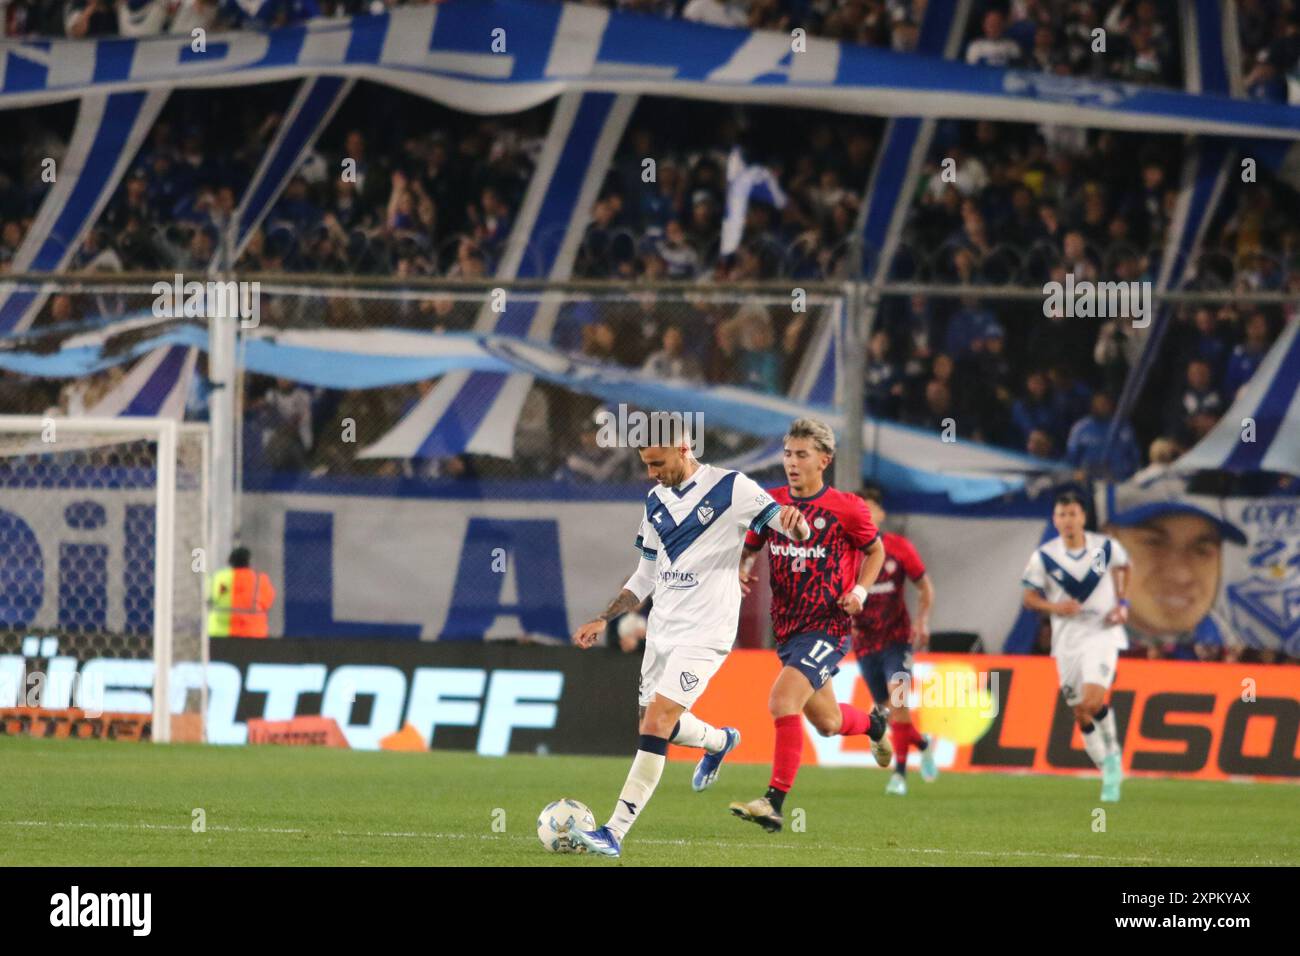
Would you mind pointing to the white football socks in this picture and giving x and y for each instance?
(693, 732)
(1106, 727)
(1094, 744)
(647, 766)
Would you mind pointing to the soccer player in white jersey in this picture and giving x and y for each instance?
(1081, 579)
(695, 522)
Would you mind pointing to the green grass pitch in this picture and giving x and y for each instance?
(91, 803)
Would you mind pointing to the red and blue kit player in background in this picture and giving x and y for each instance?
(884, 636)
(817, 586)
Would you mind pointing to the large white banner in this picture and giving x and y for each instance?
(447, 569)
(366, 566)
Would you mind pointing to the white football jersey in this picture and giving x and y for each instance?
(694, 534)
(1084, 575)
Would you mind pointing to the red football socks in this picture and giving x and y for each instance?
(789, 751)
(901, 737)
(854, 721)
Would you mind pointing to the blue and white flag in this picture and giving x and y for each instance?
(157, 386)
(312, 108)
(478, 412)
(1261, 430)
(446, 52)
(108, 134)
(746, 183)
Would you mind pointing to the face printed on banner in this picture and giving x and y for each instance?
(1177, 564)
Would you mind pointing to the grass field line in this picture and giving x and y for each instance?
(649, 841)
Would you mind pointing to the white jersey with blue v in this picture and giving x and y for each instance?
(692, 535)
(1058, 573)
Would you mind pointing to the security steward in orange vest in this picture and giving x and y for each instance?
(240, 599)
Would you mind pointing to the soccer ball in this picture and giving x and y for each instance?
(555, 821)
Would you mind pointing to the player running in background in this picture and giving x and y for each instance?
(884, 636)
(1081, 578)
(695, 521)
(816, 587)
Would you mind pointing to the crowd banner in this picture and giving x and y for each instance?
(964, 471)
(1261, 429)
(478, 412)
(353, 565)
(508, 55)
(1260, 595)
(106, 138)
(1208, 571)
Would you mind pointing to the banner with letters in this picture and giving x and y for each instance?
(991, 713)
(476, 562)
(998, 713)
(504, 56)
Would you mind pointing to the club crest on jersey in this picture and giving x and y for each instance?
(689, 681)
(704, 513)
(819, 523)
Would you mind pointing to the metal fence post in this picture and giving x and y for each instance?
(851, 373)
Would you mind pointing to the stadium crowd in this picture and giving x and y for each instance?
(435, 194)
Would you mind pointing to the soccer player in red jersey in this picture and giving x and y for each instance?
(884, 636)
(817, 586)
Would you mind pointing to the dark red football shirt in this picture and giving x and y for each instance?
(809, 577)
(884, 619)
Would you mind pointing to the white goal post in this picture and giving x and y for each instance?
(78, 496)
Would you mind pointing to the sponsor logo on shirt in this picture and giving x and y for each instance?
(796, 551)
(679, 580)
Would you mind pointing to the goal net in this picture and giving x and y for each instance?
(103, 549)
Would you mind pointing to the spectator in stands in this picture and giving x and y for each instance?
(1040, 445)
(592, 462)
(1206, 345)
(994, 48)
(758, 364)
(972, 323)
(1247, 356)
(681, 258)
(1085, 449)
(1164, 452)
(937, 414)
(89, 18)
(1197, 398)
(884, 378)
(1035, 410)
(671, 362)
(284, 414)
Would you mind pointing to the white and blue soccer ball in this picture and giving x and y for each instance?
(557, 819)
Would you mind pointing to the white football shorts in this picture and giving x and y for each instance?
(680, 672)
(1093, 663)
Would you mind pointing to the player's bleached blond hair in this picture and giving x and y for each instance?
(818, 431)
